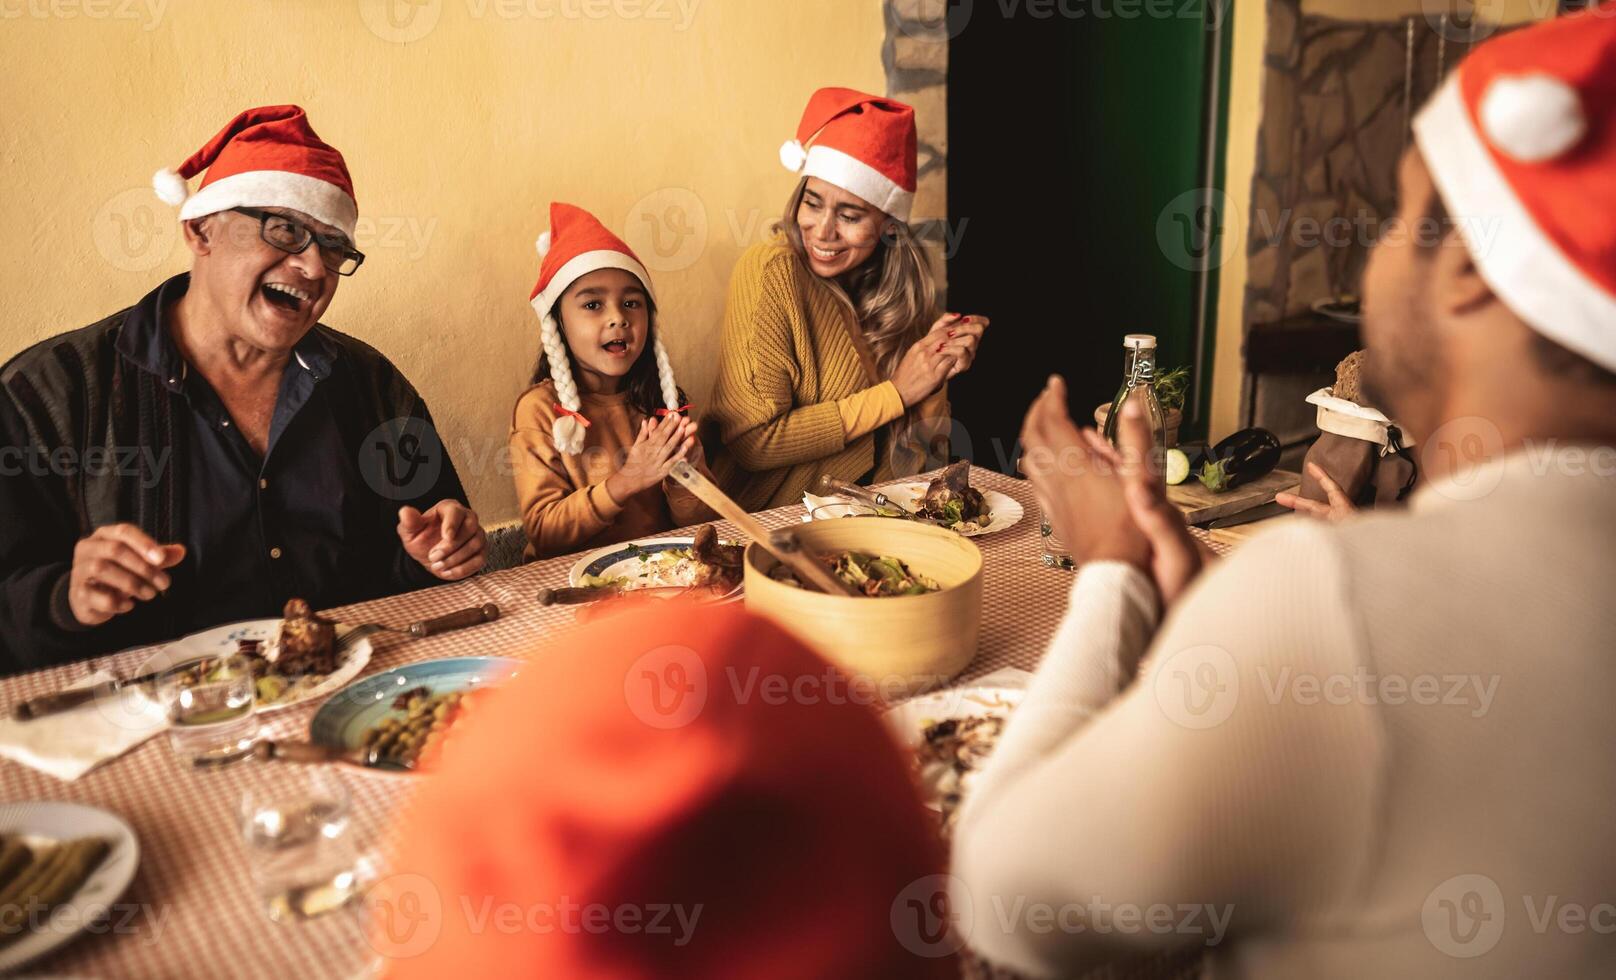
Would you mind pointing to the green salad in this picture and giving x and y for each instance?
(879, 576)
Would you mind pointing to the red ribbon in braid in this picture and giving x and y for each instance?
(564, 410)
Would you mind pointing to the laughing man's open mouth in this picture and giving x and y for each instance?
(286, 297)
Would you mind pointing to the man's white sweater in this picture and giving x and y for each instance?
(1382, 748)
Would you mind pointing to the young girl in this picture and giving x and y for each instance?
(833, 361)
(594, 439)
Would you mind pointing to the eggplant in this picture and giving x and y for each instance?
(1197, 452)
(1249, 454)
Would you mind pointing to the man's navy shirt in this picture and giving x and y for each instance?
(315, 517)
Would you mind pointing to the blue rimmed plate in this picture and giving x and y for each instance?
(639, 563)
(343, 720)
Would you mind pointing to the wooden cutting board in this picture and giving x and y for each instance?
(1200, 504)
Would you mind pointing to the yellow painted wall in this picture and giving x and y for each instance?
(460, 120)
(1250, 29)
(1495, 11)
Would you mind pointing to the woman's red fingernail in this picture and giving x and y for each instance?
(951, 333)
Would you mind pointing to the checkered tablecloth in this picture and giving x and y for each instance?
(191, 911)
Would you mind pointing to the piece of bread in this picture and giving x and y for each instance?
(1348, 384)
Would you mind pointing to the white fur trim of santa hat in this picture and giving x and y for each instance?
(1524, 267)
(857, 177)
(582, 265)
(323, 201)
(1533, 118)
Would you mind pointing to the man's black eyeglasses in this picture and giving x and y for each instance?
(290, 235)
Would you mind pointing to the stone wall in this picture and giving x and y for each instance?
(1337, 100)
(915, 56)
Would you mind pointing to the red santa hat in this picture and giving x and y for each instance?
(791, 826)
(862, 143)
(267, 157)
(1521, 143)
(576, 245)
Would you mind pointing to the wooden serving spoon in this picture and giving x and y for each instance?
(782, 544)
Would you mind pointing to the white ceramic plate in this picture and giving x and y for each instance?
(908, 721)
(1006, 510)
(624, 561)
(43, 822)
(224, 639)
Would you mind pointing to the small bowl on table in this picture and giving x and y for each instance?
(903, 645)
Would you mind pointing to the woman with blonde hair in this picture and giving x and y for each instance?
(834, 361)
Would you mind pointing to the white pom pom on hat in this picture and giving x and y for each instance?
(792, 156)
(1533, 118)
(170, 187)
(543, 244)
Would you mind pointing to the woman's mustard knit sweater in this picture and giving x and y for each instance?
(798, 393)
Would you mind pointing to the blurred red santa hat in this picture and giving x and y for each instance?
(651, 761)
(1521, 144)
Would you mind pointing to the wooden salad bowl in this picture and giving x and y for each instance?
(902, 644)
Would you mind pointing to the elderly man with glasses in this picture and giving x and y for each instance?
(214, 451)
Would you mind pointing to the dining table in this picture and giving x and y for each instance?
(192, 911)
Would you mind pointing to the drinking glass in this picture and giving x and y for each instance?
(299, 850)
(209, 702)
(1055, 553)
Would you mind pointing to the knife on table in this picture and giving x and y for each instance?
(48, 704)
(459, 620)
(574, 596)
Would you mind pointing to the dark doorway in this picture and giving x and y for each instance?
(1079, 136)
